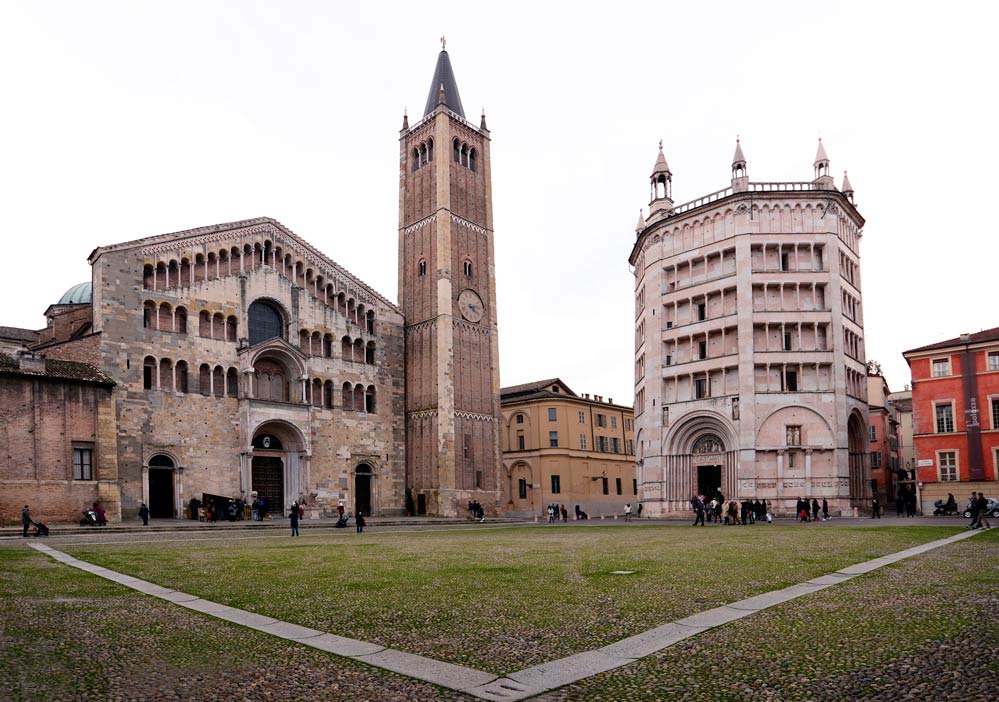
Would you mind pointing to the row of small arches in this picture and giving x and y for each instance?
(354, 350)
(231, 261)
(462, 153)
(164, 374)
(467, 267)
(163, 317)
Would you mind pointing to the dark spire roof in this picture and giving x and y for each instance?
(444, 76)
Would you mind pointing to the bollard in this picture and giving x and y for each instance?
(535, 519)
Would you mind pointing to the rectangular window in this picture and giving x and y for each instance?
(702, 312)
(790, 459)
(669, 360)
(553, 439)
(631, 447)
(875, 459)
(702, 350)
(617, 482)
(522, 488)
(602, 444)
(556, 485)
(582, 417)
(783, 262)
(945, 418)
(874, 433)
(948, 465)
(601, 420)
(582, 441)
(995, 412)
(700, 388)
(634, 486)
(603, 484)
(616, 445)
(520, 419)
(551, 414)
(941, 368)
(787, 342)
(613, 422)
(993, 360)
(791, 381)
(520, 442)
(83, 464)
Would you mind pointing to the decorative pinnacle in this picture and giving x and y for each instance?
(443, 43)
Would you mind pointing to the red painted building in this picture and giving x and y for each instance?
(955, 404)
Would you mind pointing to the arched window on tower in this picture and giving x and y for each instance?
(205, 324)
(166, 374)
(471, 160)
(468, 268)
(423, 154)
(358, 398)
(205, 379)
(149, 314)
(430, 150)
(230, 328)
(422, 268)
(457, 151)
(218, 381)
(369, 400)
(416, 159)
(370, 321)
(464, 154)
(346, 352)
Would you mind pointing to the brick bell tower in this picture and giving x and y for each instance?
(447, 288)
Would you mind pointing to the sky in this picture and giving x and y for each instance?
(128, 119)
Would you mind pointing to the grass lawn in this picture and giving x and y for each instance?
(921, 629)
(67, 635)
(502, 599)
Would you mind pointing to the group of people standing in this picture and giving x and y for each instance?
(715, 509)
(979, 507)
(556, 512)
(810, 512)
(476, 511)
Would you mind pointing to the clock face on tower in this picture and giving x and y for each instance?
(470, 305)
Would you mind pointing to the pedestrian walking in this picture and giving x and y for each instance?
(815, 510)
(359, 520)
(639, 510)
(26, 519)
(144, 514)
(983, 511)
(876, 509)
(294, 516)
(698, 511)
(565, 514)
(627, 512)
(102, 518)
(825, 509)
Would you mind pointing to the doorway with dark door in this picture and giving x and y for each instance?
(267, 477)
(362, 489)
(708, 480)
(161, 487)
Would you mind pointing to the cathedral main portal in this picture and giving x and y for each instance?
(268, 482)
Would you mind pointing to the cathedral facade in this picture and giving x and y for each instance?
(750, 371)
(239, 361)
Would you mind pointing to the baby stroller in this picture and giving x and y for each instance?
(89, 517)
(40, 529)
(341, 523)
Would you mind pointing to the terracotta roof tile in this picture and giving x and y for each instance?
(976, 338)
(57, 370)
(18, 334)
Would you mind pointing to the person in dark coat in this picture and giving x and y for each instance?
(825, 509)
(359, 520)
(144, 514)
(293, 515)
(26, 519)
(815, 510)
(698, 511)
(876, 507)
(102, 519)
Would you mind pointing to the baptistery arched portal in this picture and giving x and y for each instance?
(708, 456)
(277, 469)
(699, 457)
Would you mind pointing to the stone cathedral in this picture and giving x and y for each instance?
(238, 361)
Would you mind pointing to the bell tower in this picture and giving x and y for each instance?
(447, 292)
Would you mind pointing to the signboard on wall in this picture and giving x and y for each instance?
(924, 463)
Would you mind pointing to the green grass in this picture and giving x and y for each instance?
(504, 599)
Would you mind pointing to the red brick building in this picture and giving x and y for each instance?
(955, 403)
(883, 420)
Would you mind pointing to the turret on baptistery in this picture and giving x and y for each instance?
(740, 174)
(823, 178)
(662, 186)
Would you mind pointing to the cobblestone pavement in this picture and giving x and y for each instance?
(922, 629)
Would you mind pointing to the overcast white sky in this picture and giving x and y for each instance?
(128, 119)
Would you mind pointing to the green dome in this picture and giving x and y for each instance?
(79, 294)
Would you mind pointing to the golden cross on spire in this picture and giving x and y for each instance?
(443, 43)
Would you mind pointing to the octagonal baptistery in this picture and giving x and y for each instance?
(750, 372)
(249, 364)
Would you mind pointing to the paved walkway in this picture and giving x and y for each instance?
(522, 684)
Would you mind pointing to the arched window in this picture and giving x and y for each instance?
(423, 154)
(370, 321)
(166, 374)
(358, 350)
(423, 267)
(468, 268)
(180, 320)
(149, 314)
(232, 383)
(346, 349)
(341, 304)
(165, 321)
(148, 372)
(369, 400)
(464, 154)
(416, 159)
(199, 267)
(266, 322)
(180, 373)
(347, 397)
(328, 346)
(471, 160)
(213, 265)
(218, 381)
(185, 271)
(351, 311)
(160, 276)
(358, 398)
(317, 392)
(430, 150)
(303, 341)
(205, 379)
(328, 394)
(218, 326)
(316, 349)
(230, 328)
(457, 151)
(205, 324)
(147, 276)
(369, 353)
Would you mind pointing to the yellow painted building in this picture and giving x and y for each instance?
(561, 448)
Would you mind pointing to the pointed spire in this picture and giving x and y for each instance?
(444, 88)
(661, 165)
(847, 188)
(820, 154)
(405, 119)
(641, 221)
(482, 124)
(738, 159)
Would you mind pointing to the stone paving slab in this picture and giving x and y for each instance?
(504, 689)
(448, 675)
(830, 579)
(649, 642)
(287, 630)
(178, 597)
(206, 606)
(568, 670)
(251, 620)
(342, 646)
(714, 617)
(776, 597)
